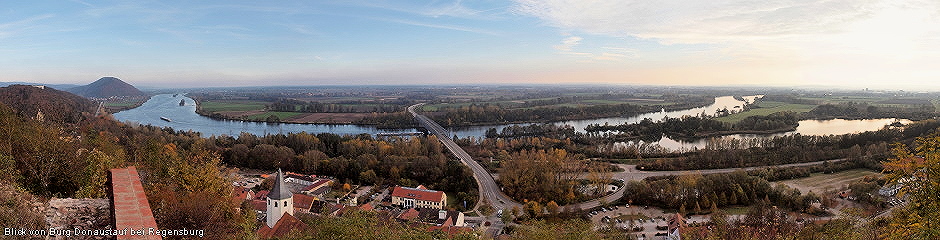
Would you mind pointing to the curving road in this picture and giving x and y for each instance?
(631, 173)
(488, 188)
(491, 192)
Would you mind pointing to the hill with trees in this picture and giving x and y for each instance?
(56, 106)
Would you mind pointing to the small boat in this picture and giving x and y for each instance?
(165, 119)
(182, 102)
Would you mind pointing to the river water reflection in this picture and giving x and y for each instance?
(806, 127)
(721, 103)
(185, 118)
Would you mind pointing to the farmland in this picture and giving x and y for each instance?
(820, 183)
(766, 108)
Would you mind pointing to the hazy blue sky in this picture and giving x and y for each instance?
(863, 43)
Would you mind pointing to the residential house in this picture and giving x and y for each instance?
(676, 223)
(419, 197)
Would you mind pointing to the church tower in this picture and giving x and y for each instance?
(280, 200)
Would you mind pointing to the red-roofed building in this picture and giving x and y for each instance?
(451, 231)
(409, 214)
(303, 202)
(259, 205)
(261, 195)
(312, 189)
(240, 194)
(366, 207)
(299, 178)
(419, 197)
(285, 225)
(676, 223)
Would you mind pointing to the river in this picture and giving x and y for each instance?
(806, 127)
(725, 102)
(186, 118)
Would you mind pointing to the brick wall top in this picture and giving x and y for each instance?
(130, 206)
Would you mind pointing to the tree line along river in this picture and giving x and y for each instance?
(185, 118)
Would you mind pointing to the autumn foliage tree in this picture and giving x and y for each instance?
(188, 188)
(918, 172)
(540, 175)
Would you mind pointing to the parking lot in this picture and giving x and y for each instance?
(644, 219)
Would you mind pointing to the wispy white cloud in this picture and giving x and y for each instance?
(82, 3)
(819, 39)
(436, 9)
(14, 27)
(568, 43)
(699, 21)
(438, 26)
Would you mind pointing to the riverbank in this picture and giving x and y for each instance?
(124, 104)
(702, 135)
(262, 116)
(601, 115)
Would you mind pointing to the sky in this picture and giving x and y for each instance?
(848, 43)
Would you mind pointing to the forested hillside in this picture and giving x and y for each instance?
(56, 106)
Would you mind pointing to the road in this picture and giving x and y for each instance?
(491, 192)
(488, 189)
(631, 173)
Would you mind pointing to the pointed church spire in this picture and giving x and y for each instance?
(280, 190)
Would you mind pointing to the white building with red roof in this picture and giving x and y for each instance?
(419, 197)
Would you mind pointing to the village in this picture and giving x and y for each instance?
(293, 194)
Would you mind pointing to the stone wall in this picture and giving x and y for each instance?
(85, 213)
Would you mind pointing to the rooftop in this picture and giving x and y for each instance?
(418, 193)
(279, 191)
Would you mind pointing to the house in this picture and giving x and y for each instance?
(441, 217)
(303, 202)
(366, 207)
(449, 222)
(261, 195)
(241, 194)
(285, 225)
(300, 178)
(419, 197)
(317, 188)
(676, 223)
(327, 209)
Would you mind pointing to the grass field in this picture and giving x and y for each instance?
(819, 183)
(766, 108)
(222, 106)
(737, 210)
(280, 115)
(519, 103)
(120, 104)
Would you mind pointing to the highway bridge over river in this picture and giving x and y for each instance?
(488, 189)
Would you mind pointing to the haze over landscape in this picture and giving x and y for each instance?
(450, 119)
(848, 43)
